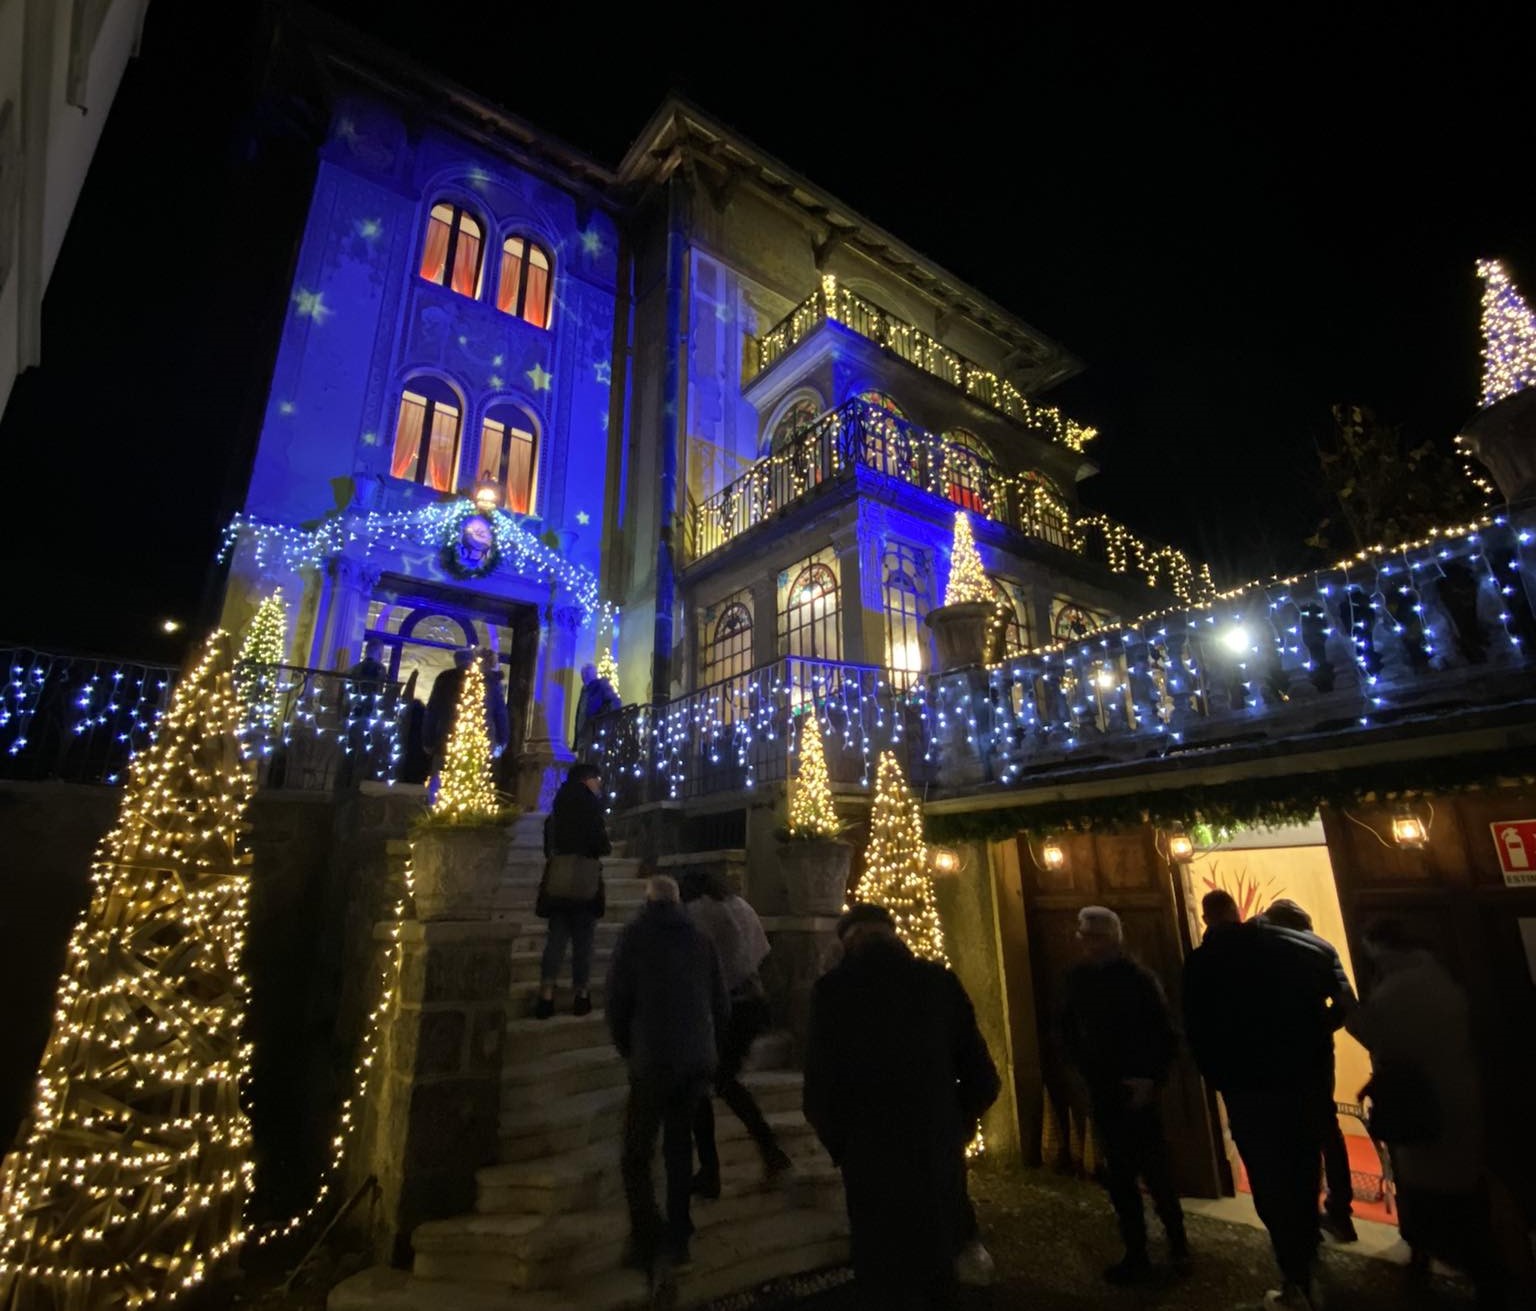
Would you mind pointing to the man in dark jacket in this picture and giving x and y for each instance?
(896, 1077)
(443, 705)
(667, 1004)
(574, 827)
(1258, 1004)
(1338, 1206)
(1117, 1033)
(596, 697)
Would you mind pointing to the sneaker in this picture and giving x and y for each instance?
(706, 1184)
(1289, 1298)
(1341, 1228)
(974, 1266)
(1128, 1270)
(544, 1008)
(583, 1004)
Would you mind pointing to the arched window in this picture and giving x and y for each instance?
(1043, 509)
(427, 435)
(1012, 619)
(508, 456)
(905, 645)
(810, 622)
(885, 445)
(452, 254)
(527, 281)
(801, 414)
(727, 640)
(883, 400)
(967, 468)
(1071, 622)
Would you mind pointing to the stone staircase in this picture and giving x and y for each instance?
(550, 1223)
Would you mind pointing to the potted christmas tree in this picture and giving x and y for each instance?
(814, 862)
(459, 846)
(963, 625)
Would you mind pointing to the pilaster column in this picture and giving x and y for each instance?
(348, 587)
(765, 620)
(552, 711)
(863, 601)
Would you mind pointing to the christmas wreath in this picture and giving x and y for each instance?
(470, 548)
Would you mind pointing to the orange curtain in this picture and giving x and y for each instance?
(413, 412)
(511, 275)
(434, 258)
(466, 259)
(536, 302)
(443, 449)
(520, 472)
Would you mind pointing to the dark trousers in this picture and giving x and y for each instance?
(663, 1104)
(749, 1018)
(1336, 1172)
(1279, 1134)
(576, 927)
(1136, 1149)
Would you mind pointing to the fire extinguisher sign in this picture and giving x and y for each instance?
(1515, 841)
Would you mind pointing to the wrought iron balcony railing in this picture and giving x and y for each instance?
(830, 303)
(859, 433)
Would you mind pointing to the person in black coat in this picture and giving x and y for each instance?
(596, 697)
(897, 1076)
(442, 706)
(1117, 1033)
(1258, 1012)
(575, 827)
(667, 1010)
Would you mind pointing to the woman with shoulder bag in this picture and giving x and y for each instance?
(571, 893)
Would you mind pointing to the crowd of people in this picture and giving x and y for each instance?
(897, 1075)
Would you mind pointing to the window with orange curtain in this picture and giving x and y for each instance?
(965, 471)
(427, 438)
(451, 256)
(507, 450)
(526, 284)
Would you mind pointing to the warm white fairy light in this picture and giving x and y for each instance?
(811, 814)
(896, 864)
(968, 581)
(467, 787)
(128, 1188)
(1509, 335)
(264, 647)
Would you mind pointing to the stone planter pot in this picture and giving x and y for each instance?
(1502, 436)
(963, 633)
(458, 870)
(815, 876)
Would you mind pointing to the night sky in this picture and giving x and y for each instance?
(1233, 229)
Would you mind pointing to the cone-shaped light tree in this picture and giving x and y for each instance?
(466, 792)
(128, 1186)
(265, 645)
(811, 814)
(1509, 335)
(896, 864)
(967, 579)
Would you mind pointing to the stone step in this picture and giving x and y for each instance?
(528, 1039)
(589, 1117)
(618, 888)
(589, 1177)
(526, 960)
(527, 1084)
(535, 931)
(524, 995)
(518, 901)
(726, 1260)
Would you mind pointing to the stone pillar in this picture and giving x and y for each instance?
(343, 610)
(552, 711)
(765, 620)
(801, 951)
(438, 1093)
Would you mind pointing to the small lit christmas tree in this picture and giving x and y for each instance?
(608, 667)
(896, 864)
(967, 579)
(1509, 335)
(265, 645)
(466, 791)
(129, 1185)
(810, 804)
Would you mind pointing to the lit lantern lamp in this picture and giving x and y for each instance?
(1105, 680)
(1052, 854)
(1181, 846)
(1408, 830)
(487, 496)
(945, 860)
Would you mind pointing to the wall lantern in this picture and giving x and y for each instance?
(946, 860)
(1052, 854)
(487, 497)
(1408, 830)
(1181, 847)
(1104, 680)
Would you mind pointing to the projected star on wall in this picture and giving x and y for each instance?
(370, 439)
(592, 242)
(603, 372)
(311, 305)
(582, 517)
(370, 228)
(539, 378)
(496, 380)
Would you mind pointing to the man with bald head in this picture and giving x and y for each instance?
(1116, 1031)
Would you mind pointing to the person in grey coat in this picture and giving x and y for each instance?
(667, 1008)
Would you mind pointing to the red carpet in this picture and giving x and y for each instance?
(1366, 1166)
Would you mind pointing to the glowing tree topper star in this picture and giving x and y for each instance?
(128, 1187)
(466, 792)
(967, 579)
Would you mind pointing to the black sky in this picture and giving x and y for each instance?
(1233, 228)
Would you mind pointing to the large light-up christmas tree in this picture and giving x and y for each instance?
(1509, 335)
(466, 792)
(811, 815)
(896, 864)
(129, 1184)
(967, 579)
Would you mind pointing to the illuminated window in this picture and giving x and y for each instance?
(427, 436)
(967, 469)
(526, 283)
(1013, 616)
(905, 640)
(452, 254)
(810, 622)
(801, 414)
(884, 401)
(885, 442)
(727, 639)
(508, 449)
(1070, 621)
(1043, 510)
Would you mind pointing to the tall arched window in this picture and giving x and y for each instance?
(1043, 509)
(1013, 619)
(801, 414)
(527, 281)
(905, 643)
(967, 463)
(452, 254)
(810, 622)
(427, 435)
(508, 456)
(883, 400)
(885, 444)
(727, 640)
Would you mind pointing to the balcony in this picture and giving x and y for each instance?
(1423, 641)
(860, 435)
(830, 303)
